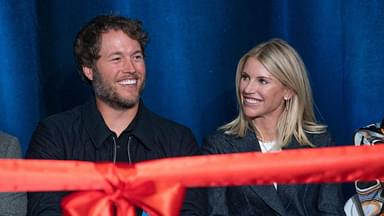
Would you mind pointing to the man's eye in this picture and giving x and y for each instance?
(116, 59)
(138, 57)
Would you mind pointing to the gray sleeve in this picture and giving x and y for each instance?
(11, 147)
(13, 204)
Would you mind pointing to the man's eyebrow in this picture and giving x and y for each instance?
(114, 54)
(119, 53)
(137, 52)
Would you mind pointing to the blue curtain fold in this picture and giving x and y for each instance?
(19, 79)
(363, 61)
(192, 56)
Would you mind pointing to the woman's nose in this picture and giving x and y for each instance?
(250, 87)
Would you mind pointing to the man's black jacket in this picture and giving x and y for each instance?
(81, 134)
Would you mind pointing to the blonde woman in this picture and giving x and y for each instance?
(275, 113)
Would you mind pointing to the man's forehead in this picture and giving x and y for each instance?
(113, 41)
(116, 32)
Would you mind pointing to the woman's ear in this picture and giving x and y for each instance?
(288, 94)
(88, 72)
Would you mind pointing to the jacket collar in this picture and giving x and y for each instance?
(250, 143)
(141, 126)
(268, 193)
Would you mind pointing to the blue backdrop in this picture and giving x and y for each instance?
(192, 55)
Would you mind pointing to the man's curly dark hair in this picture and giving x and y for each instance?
(88, 40)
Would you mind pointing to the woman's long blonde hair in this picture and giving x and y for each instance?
(298, 117)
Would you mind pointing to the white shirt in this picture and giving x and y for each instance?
(267, 147)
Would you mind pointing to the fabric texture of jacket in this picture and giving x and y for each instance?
(14, 204)
(81, 134)
(287, 200)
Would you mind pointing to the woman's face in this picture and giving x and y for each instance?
(262, 95)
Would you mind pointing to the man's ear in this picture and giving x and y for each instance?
(88, 72)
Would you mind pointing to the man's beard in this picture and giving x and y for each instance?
(107, 93)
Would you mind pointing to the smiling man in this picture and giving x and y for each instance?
(114, 125)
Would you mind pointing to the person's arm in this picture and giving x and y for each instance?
(331, 200)
(195, 203)
(44, 145)
(217, 205)
(12, 203)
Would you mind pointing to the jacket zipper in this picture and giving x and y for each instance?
(114, 149)
(128, 149)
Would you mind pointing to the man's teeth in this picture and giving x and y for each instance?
(128, 82)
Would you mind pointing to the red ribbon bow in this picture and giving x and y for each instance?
(155, 185)
(124, 194)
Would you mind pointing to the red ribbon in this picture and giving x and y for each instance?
(157, 186)
(156, 198)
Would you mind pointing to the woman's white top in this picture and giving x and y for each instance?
(267, 147)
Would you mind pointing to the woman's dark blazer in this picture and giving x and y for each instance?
(305, 199)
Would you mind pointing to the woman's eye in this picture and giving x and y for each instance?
(263, 81)
(244, 77)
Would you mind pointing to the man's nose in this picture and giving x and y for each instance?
(129, 66)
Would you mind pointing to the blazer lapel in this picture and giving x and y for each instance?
(268, 193)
